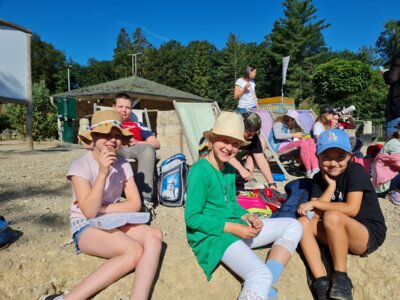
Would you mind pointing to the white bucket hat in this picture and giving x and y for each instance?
(294, 114)
(228, 124)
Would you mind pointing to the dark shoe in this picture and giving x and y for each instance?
(50, 297)
(321, 287)
(342, 287)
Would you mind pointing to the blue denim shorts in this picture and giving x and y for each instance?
(77, 236)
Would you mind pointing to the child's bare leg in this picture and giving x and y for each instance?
(123, 253)
(150, 238)
(309, 244)
(344, 233)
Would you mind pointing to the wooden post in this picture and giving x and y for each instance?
(29, 113)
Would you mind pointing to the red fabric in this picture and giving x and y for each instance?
(373, 150)
(134, 128)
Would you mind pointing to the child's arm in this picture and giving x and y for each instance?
(350, 208)
(132, 203)
(89, 197)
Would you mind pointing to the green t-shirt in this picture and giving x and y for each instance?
(210, 203)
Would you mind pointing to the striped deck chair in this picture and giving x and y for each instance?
(266, 128)
(307, 119)
(196, 118)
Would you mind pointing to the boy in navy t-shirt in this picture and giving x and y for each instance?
(347, 215)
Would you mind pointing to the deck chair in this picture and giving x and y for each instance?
(194, 119)
(137, 115)
(266, 128)
(307, 119)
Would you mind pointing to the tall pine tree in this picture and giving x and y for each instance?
(122, 59)
(299, 35)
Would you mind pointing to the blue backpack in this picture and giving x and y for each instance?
(6, 233)
(298, 191)
(172, 181)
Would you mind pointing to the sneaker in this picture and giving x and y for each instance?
(148, 206)
(253, 184)
(312, 173)
(394, 197)
(52, 297)
(321, 287)
(342, 287)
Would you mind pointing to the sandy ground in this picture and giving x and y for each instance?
(35, 197)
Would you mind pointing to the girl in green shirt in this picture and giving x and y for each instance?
(219, 230)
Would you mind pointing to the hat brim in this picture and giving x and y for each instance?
(210, 134)
(334, 145)
(87, 138)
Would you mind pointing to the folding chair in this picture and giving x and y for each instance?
(307, 119)
(196, 118)
(267, 122)
(136, 114)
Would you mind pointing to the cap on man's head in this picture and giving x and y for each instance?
(252, 121)
(326, 109)
(397, 126)
(333, 138)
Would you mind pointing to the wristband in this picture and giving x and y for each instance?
(272, 184)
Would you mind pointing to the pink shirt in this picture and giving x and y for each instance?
(87, 167)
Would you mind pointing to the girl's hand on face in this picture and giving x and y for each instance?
(253, 221)
(107, 158)
(304, 207)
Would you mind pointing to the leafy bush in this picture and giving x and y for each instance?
(4, 122)
(339, 78)
(44, 123)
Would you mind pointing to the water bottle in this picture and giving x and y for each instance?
(278, 177)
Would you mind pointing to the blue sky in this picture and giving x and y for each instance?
(85, 29)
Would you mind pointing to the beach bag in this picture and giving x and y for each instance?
(298, 192)
(172, 181)
(254, 205)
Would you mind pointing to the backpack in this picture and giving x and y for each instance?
(6, 233)
(172, 181)
(298, 191)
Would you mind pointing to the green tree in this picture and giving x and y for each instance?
(96, 72)
(197, 67)
(388, 43)
(334, 81)
(165, 64)
(141, 45)
(370, 103)
(298, 35)
(121, 60)
(48, 64)
(44, 119)
(229, 66)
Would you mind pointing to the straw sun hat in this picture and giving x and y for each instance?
(103, 121)
(228, 124)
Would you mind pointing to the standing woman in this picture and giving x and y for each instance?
(245, 90)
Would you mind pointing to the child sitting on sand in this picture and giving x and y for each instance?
(219, 230)
(347, 216)
(98, 179)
